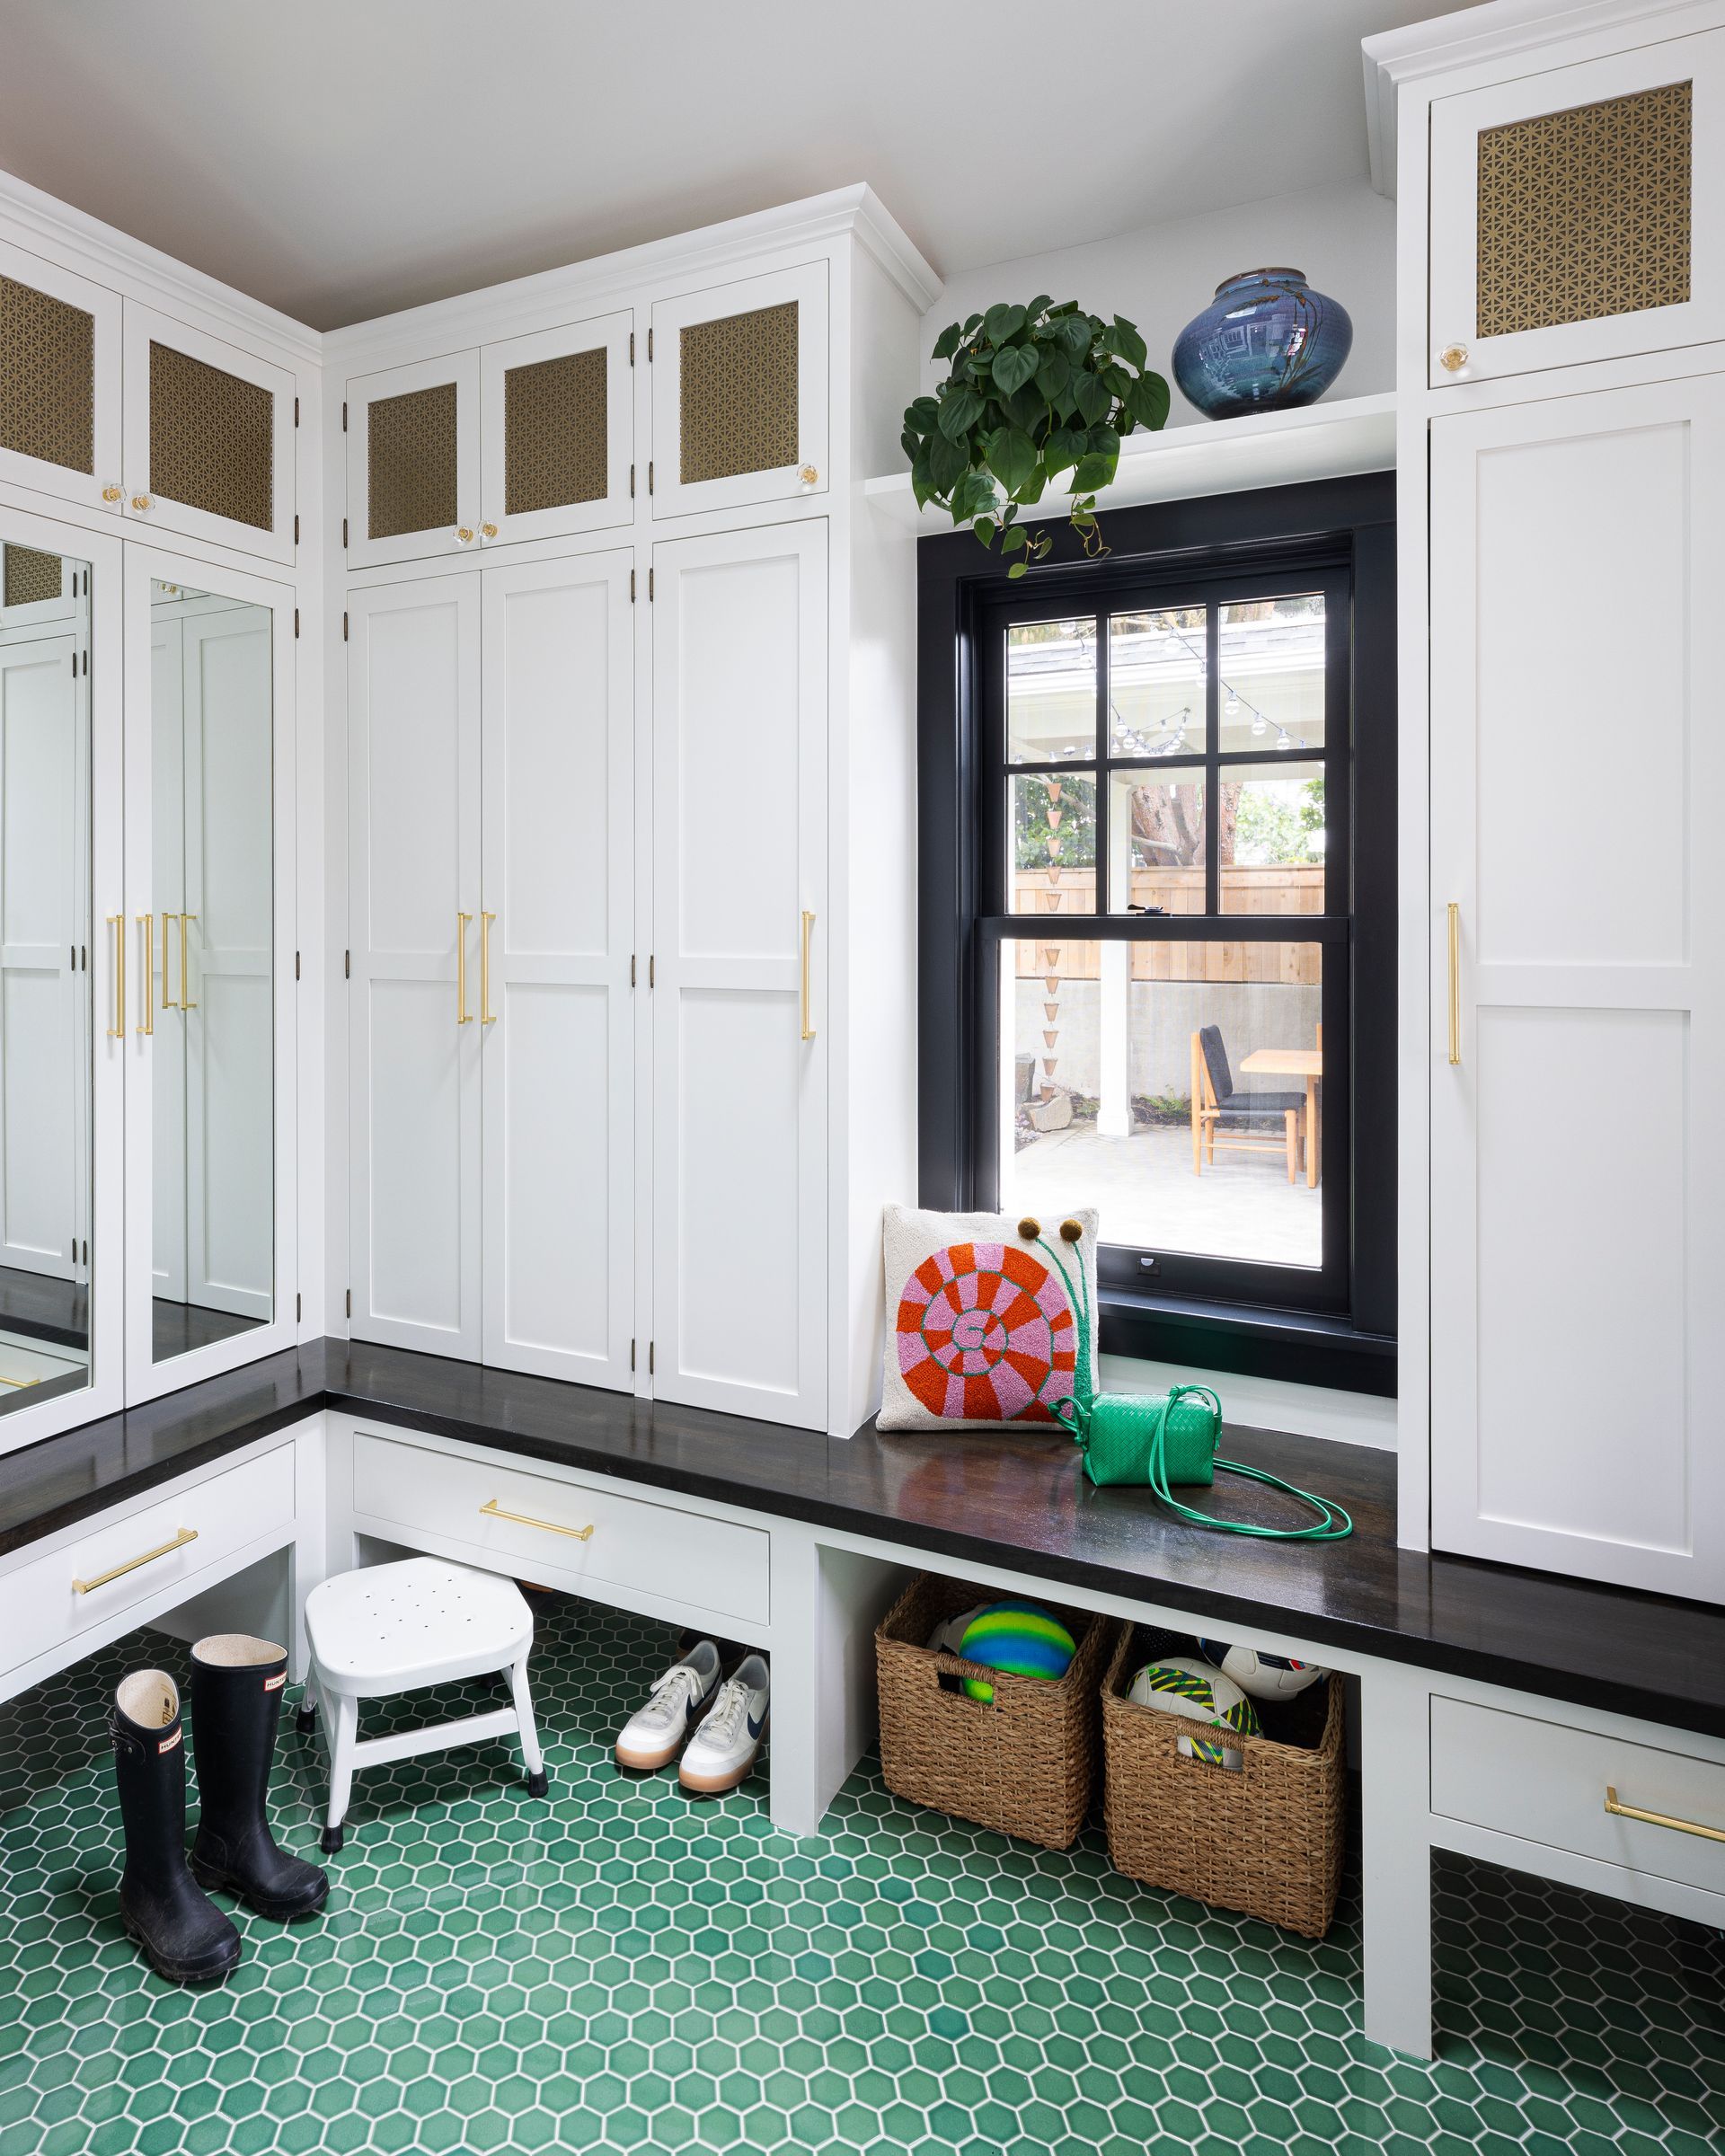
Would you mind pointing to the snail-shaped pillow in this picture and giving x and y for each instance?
(982, 1318)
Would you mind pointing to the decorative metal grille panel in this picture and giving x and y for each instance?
(32, 576)
(47, 377)
(212, 439)
(1585, 212)
(410, 469)
(554, 433)
(736, 394)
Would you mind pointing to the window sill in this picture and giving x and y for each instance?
(1293, 1345)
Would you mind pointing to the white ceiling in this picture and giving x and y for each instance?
(340, 158)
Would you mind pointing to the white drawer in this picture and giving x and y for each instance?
(1546, 1782)
(636, 1544)
(43, 1605)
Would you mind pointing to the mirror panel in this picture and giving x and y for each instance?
(46, 1002)
(210, 958)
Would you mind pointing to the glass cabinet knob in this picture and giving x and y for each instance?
(1453, 358)
(464, 535)
(140, 501)
(112, 494)
(808, 475)
(488, 531)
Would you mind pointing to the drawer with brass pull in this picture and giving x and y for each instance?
(1652, 1808)
(124, 1561)
(563, 1534)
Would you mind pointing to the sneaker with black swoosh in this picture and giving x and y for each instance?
(722, 1750)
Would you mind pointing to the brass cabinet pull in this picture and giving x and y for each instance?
(117, 922)
(494, 1511)
(487, 1016)
(1677, 1827)
(185, 978)
(168, 1001)
(185, 1535)
(146, 922)
(463, 1016)
(808, 930)
(1455, 982)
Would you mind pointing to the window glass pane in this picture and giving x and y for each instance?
(1270, 660)
(1050, 691)
(1157, 842)
(1052, 843)
(1175, 1086)
(1271, 835)
(1155, 682)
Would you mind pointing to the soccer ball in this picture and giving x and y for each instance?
(1264, 1676)
(1186, 1687)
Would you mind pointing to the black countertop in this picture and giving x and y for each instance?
(1003, 1498)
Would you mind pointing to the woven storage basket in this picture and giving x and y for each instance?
(1266, 1839)
(1024, 1763)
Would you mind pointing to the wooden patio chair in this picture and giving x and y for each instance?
(1221, 1116)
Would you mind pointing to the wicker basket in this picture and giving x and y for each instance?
(1266, 1839)
(1024, 1763)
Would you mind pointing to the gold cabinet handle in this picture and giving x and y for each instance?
(1455, 982)
(488, 531)
(494, 1511)
(117, 922)
(487, 1016)
(168, 1003)
(463, 1016)
(1453, 359)
(185, 978)
(1677, 1827)
(808, 475)
(146, 922)
(808, 930)
(140, 501)
(113, 493)
(185, 1535)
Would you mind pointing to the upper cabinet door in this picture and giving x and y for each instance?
(209, 438)
(59, 382)
(557, 431)
(740, 392)
(414, 461)
(1579, 214)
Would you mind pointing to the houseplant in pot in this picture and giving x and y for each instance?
(1031, 393)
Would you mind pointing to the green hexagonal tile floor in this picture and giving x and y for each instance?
(618, 1968)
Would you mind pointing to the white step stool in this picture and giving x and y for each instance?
(399, 1628)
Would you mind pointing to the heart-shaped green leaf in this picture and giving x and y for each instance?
(1128, 342)
(1000, 324)
(1064, 447)
(948, 461)
(1014, 364)
(1093, 471)
(961, 407)
(948, 341)
(1094, 403)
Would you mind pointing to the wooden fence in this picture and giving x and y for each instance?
(1054, 904)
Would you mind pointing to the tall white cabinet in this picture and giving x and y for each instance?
(610, 593)
(1562, 460)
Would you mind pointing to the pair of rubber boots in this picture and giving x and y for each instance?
(236, 1686)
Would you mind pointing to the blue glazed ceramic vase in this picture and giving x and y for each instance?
(1266, 341)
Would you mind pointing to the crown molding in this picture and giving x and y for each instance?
(525, 303)
(40, 224)
(1499, 30)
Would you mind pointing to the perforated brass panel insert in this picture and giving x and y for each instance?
(47, 377)
(32, 576)
(410, 469)
(212, 439)
(554, 433)
(736, 394)
(1585, 212)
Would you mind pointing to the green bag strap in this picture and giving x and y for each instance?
(1332, 1524)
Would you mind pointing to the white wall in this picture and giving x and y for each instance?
(1159, 276)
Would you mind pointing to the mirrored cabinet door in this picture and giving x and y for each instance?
(209, 830)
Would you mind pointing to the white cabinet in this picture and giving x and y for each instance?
(59, 381)
(209, 438)
(1578, 213)
(739, 811)
(413, 466)
(741, 397)
(492, 910)
(1579, 1031)
(557, 431)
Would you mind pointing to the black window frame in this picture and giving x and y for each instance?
(1333, 1326)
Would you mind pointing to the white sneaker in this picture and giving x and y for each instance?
(722, 1749)
(653, 1735)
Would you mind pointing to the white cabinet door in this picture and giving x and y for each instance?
(413, 466)
(739, 1055)
(556, 1025)
(740, 393)
(557, 431)
(413, 865)
(1579, 214)
(209, 438)
(168, 837)
(59, 381)
(1577, 1248)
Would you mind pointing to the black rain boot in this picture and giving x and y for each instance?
(236, 1684)
(184, 1936)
